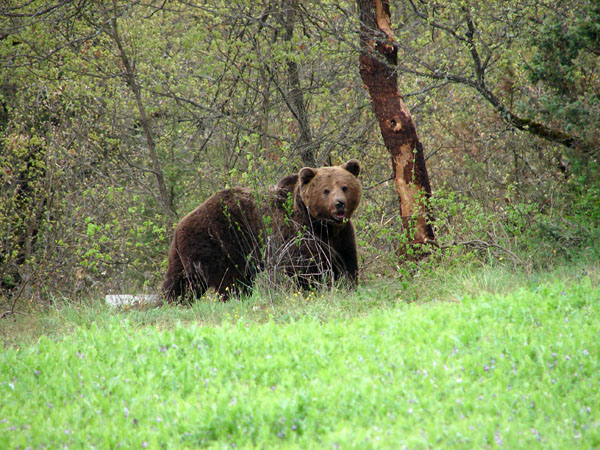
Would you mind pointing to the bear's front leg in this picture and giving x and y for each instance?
(347, 261)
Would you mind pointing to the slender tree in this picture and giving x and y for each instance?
(307, 147)
(129, 74)
(378, 60)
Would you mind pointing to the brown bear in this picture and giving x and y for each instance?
(301, 227)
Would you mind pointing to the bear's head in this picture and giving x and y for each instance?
(331, 194)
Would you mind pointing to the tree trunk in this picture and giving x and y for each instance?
(307, 147)
(263, 119)
(378, 60)
(130, 78)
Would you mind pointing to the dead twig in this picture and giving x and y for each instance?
(377, 184)
(479, 245)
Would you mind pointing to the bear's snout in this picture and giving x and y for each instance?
(339, 209)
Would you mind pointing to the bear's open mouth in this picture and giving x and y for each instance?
(339, 216)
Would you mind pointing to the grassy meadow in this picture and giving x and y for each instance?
(464, 359)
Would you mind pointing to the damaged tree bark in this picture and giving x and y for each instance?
(378, 60)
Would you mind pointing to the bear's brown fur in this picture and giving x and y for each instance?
(302, 226)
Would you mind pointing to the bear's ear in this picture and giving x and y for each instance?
(285, 186)
(288, 182)
(307, 174)
(353, 167)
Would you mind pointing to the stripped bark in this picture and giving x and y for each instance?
(378, 60)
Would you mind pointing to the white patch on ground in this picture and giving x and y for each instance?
(117, 300)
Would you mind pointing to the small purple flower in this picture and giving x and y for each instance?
(498, 438)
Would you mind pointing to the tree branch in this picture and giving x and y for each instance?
(480, 245)
(130, 78)
(307, 146)
(583, 147)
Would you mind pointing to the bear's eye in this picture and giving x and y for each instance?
(344, 188)
(326, 192)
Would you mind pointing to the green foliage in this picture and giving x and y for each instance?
(566, 49)
(584, 189)
(559, 43)
(486, 371)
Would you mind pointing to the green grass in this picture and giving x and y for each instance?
(498, 361)
(435, 281)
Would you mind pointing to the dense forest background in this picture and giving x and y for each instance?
(119, 117)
